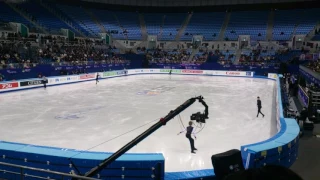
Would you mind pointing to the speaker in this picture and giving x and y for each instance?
(227, 163)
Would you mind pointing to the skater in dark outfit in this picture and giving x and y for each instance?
(170, 71)
(259, 107)
(44, 81)
(188, 135)
(97, 78)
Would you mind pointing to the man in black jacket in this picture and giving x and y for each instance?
(188, 135)
(259, 107)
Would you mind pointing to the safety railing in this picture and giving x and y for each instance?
(24, 175)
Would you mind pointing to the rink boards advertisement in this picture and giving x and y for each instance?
(303, 97)
(32, 83)
(9, 85)
(282, 146)
(272, 75)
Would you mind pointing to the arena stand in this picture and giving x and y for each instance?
(79, 17)
(256, 25)
(57, 56)
(206, 24)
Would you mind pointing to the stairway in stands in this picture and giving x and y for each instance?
(298, 22)
(163, 19)
(312, 34)
(238, 55)
(61, 18)
(121, 27)
(183, 27)
(95, 20)
(27, 16)
(194, 52)
(224, 26)
(143, 27)
(270, 25)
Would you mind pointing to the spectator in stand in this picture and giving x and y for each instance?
(255, 58)
(163, 56)
(1, 77)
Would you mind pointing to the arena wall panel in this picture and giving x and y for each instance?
(281, 149)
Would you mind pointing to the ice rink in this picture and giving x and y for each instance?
(84, 115)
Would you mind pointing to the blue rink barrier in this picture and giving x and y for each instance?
(281, 149)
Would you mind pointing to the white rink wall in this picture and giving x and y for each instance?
(57, 80)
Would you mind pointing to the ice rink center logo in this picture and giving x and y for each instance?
(155, 91)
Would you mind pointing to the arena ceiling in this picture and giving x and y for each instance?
(191, 3)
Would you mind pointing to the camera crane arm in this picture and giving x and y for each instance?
(206, 111)
(145, 134)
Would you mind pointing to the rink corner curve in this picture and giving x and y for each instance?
(281, 149)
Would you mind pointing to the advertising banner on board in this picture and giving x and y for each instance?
(120, 73)
(176, 71)
(109, 74)
(272, 75)
(31, 82)
(63, 79)
(233, 73)
(188, 71)
(9, 85)
(229, 73)
(87, 76)
(303, 97)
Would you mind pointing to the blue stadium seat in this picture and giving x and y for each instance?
(247, 23)
(206, 24)
(9, 15)
(45, 18)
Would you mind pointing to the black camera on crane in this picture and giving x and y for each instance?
(199, 117)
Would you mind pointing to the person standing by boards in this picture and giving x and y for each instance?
(44, 81)
(259, 107)
(97, 78)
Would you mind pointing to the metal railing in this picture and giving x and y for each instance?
(23, 175)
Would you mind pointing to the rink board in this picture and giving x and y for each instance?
(281, 149)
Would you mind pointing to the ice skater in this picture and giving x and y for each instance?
(97, 78)
(259, 106)
(44, 81)
(188, 136)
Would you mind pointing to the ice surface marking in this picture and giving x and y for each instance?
(78, 114)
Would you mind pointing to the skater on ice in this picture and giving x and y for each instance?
(44, 81)
(259, 107)
(188, 136)
(97, 78)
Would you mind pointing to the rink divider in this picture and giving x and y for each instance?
(280, 149)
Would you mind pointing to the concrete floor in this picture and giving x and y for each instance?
(308, 162)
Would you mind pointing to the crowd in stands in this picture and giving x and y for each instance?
(225, 59)
(15, 55)
(199, 58)
(75, 55)
(260, 57)
(20, 54)
(314, 65)
(163, 56)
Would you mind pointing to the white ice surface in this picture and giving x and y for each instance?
(83, 115)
